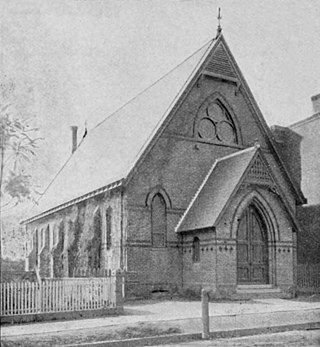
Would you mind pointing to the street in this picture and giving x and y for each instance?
(301, 338)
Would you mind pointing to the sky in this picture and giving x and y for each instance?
(77, 61)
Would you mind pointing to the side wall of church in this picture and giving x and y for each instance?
(74, 245)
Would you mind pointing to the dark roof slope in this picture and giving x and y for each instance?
(216, 190)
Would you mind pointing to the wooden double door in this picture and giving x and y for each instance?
(252, 249)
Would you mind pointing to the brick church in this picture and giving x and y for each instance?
(182, 188)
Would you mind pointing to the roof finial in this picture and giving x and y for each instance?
(219, 23)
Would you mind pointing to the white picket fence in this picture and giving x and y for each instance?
(57, 295)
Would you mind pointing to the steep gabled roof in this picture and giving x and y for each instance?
(111, 149)
(221, 184)
(216, 190)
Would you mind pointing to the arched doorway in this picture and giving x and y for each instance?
(252, 248)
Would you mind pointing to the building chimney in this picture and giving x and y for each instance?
(74, 130)
(316, 103)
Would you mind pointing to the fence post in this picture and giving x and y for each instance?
(205, 314)
(118, 289)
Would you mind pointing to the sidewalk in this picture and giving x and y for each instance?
(186, 316)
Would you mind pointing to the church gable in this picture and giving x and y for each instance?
(215, 108)
(210, 119)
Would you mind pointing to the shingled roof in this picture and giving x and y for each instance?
(108, 154)
(110, 150)
(216, 190)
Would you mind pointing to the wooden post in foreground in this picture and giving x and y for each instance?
(205, 314)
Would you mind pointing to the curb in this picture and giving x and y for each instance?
(178, 338)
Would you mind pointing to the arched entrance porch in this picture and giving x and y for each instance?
(255, 230)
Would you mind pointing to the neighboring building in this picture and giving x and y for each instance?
(309, 130)
(182, 188)
(309, 215)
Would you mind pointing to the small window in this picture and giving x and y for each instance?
(108, 228)
(196, 250)
(158, 221)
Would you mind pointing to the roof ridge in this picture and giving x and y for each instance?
(152, 84)
(304, 121)
(245, 150)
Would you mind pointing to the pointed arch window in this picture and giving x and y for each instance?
(158, 221)
(215, 123)
(108, 228)
(42, 239)
(196, 250)
(95, 244)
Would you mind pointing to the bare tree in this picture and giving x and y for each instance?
(18, 143)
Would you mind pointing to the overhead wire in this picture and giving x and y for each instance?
(115, 112)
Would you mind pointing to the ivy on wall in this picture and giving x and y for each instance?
(73, 252)
(94, 247)
(58, 253)
(45, 254)
(33, 256)
(76, 229)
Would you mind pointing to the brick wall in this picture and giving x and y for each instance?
(217, 268)
(197, 275)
